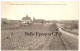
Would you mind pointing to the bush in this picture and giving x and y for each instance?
(53, 28)
(4, 22)
(74, 26)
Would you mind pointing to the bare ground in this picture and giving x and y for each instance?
(18, 41)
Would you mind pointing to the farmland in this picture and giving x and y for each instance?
(15, 39)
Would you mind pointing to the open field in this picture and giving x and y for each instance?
(18, 40)
(74, 31)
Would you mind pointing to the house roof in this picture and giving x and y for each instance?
(26, 18)
(39, 20)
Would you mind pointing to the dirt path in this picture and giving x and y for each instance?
(70, 40)
(69, 34)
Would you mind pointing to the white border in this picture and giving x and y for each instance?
(37, 0)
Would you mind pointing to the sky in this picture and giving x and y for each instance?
(48, 10)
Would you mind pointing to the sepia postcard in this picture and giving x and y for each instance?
(40, 25)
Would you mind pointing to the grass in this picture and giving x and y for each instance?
(74, 31)
(18, 41)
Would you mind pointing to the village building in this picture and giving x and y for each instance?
(50, 21)
(26, 20)
(8, 21)
(13, 21)
(38, 21)
(3, 21)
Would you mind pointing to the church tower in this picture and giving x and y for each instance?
(33, 19)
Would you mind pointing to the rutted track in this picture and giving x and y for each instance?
(70, 40)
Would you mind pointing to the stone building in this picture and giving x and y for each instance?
(38, 20)
(26, 20)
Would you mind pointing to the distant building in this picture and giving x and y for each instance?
(7, 21)
(38, 20)
(3, 21)
(13, 21)
(50, 21)
(26, 20)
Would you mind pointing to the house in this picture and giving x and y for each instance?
(3, 21)
(13, 21)
(26, 20)
(38, 20)
(50, 21)
(7, 21)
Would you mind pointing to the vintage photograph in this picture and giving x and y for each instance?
(39, 25)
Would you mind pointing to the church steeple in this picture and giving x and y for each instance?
(33, 18)
(26, 15)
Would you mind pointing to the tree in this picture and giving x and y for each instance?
(53, 27)
(74, 26)
(4, 22)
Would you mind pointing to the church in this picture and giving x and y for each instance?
(26, 20)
